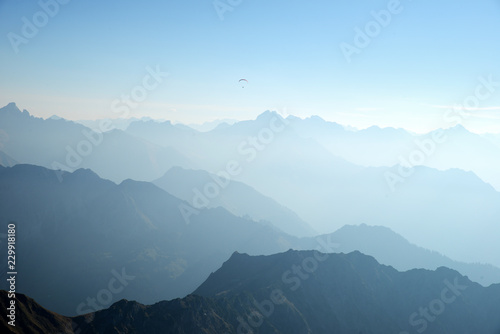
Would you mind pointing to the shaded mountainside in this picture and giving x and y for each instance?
(284, 159)
(392, 249)
(99, 230)
(298, 292)
(30, 317)
(197, 188)
(423, 207)
(296, 166)
(352, 293)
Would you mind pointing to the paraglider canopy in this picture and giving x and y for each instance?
(243, 82)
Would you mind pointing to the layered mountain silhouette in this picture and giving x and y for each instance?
(100, 230)
(283, 159)
(420, 204)
(76, 235)
(373, 146)
(208, 126)
(392, 249)
(303, 165)
(202, 189)
(467, 151)
(455, 147)
(65, 145)
(295, 292)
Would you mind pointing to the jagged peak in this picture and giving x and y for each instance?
(268, 114)
(11, 108)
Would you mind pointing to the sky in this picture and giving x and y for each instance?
(326, 58)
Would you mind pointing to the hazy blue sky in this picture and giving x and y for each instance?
(428, 57)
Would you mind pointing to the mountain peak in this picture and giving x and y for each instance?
(167, 122)
(83, 174)
(222, 125)
(237, 254)
(316, 118)
(12, 110)
(459, 128)
(267, 115)
(11, 105)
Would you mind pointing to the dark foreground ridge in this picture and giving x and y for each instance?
(293, 292)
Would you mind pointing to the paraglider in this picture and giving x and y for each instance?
(243, 82)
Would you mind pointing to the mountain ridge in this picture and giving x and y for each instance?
(341, 293)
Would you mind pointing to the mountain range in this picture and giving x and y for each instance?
(303, 165)
(97, 228)
(202, 189)
(259, 186)
(100, 229)
(67, 146)
(443, 149)
(294, 292)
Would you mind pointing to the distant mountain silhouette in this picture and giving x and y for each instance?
(305, 166)
(65, 145)
(213, 149)
(392, 249)
(470, 152)
(195, 187)
(294, 293)
(98, 228)
(209, 126)
(493, 137)
(373, 146)
(72, 236)
(289, 161)
(161, 133)
(119, 123)
(456, 148)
